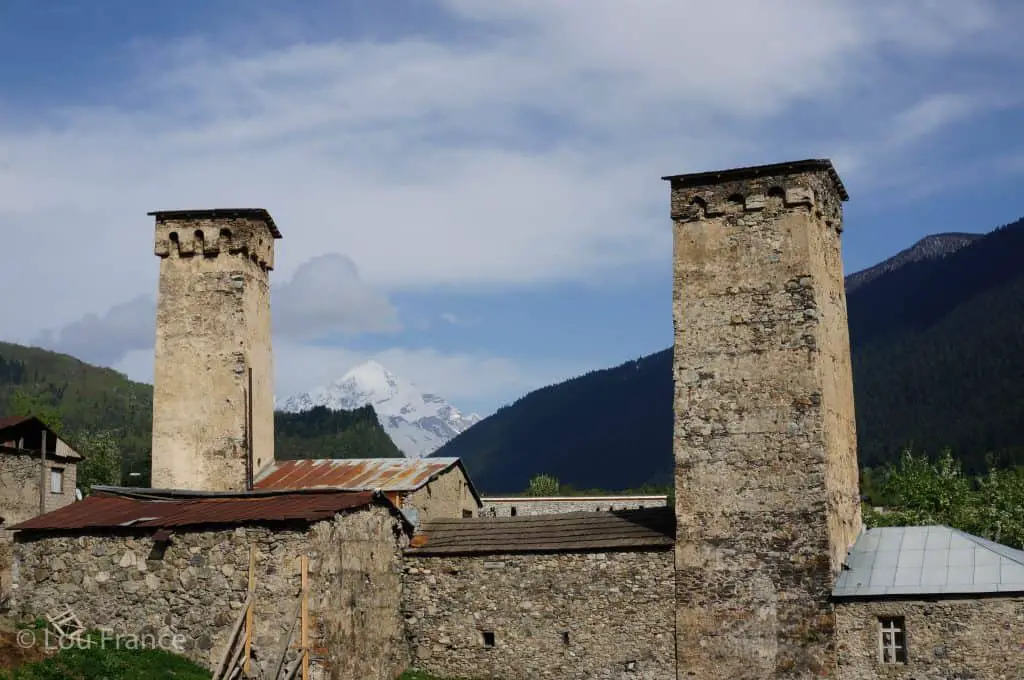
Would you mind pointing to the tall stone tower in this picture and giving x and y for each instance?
(766, 476)
(213, 384)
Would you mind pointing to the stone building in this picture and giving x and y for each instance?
(424, 488)
(176, 567)
(761, 571)
(930, 603)
(31, 483)
(213, 419)
(767, 496)
(573, 595)
(523, 506)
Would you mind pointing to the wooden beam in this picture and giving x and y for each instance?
(42, 474)
(221, 667)
(304, 565)
(248, 614)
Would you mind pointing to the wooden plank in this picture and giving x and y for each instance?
(304, 563)
(221, 666)
(286, 641)
(249, 610)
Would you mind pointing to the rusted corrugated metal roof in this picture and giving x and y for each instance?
(11, 421)
(358, 474)
(111, 510)
(651, 529)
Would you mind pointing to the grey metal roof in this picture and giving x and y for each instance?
(928, 560)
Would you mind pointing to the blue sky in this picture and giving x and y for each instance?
(469, 191)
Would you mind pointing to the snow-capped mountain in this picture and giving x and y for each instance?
(418, 422)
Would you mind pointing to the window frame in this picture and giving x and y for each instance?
(56, 473)
(892, 641)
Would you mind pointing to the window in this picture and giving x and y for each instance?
(513, 511)
(56, 480)
(565, 637)
(488, 636)
(892, 640)
(467, 513)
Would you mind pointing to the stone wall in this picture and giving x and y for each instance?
(527, 506)
(213, 304)
(975, 638)
(579, 616)
(446, 496)
(19, 497)
(199, 585)
(766, 477)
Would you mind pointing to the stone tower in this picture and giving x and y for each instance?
(765, 443)
(211, 431)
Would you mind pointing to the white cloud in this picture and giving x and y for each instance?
(526, 152)
(325, 296)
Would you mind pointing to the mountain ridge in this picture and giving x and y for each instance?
(418, 422)
(904, 318)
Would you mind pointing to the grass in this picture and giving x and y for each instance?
(109, 663)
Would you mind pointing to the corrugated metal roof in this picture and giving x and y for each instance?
(112, 510)
(11, 421)
(357, 474)
(928, 560)
(652, 528)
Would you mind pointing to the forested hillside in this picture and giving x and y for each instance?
(938, 359)
(109, 418)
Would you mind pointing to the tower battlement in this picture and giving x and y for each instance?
(213, 391)
(812, 185)
(249, 233)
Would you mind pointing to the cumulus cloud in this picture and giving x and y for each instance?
(324, 296)
(327, 296)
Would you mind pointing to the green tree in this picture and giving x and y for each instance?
(542, 485)
(26, 403)
(102, 464)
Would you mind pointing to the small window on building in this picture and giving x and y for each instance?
(467, 513)
(565, 637)
(56, 480)
(513, 511)
(892, 640)
(488, 636)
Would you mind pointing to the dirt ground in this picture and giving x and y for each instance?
(13, 654)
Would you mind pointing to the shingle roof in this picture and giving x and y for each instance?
(928, 560)
(652, 528)
(110, 510)
(358, 474)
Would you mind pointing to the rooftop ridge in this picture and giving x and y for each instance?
(751, 171)
(1005, 551)
(219, 213)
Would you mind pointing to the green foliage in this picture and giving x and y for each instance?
(921, 491)
(323, 433)
(102, 464)
(109, 661)
(109, 418)
(542, 485)
(24, 402)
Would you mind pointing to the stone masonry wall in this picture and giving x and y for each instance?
(581, 616)
(947, 639)
(447, 496)
(19, 498)
(198, 588)
(213, 323)
(527, 506)
(765, 459)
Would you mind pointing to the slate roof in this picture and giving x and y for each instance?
(928, 560)
(137, 509)
(11, 421)
(651, 528)
(358, 474)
